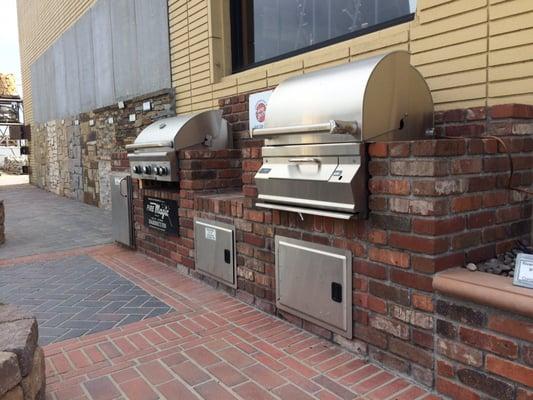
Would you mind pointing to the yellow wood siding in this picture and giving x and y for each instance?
(471, 52)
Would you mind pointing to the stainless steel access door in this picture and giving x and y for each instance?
(314, 282)
(214, 244)
(122, 208)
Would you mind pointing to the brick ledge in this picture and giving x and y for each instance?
(485, 289)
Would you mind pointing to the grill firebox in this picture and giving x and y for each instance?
(314, 158)
(153, 155)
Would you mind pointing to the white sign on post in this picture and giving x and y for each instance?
(257, 106)
(523, 274)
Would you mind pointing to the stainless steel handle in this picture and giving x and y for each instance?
(331, 127)
(120, 187)
(135, 146)
(304, 160)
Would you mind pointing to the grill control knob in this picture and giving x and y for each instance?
(147, 169)
(157, 170)
(137, 169)
(163, 170)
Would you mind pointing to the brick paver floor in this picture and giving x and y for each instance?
(75, 296)
(39, 222)
(212, 346)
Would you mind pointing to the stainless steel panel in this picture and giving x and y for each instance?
(122, 208)
(303, 210)
(214, 244)
(321, 150)
(85, 55)
(377, 93)
(314, 282)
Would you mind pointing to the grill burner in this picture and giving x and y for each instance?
(316, 126)
(153, 155)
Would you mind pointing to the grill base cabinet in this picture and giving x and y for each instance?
(314, 282)
(214, 244)
(122, 208)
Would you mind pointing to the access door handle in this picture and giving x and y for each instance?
(304, 160)
(120, 187)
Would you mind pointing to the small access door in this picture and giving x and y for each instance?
(122, 208)
(214, 244)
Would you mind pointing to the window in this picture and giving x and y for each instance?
(266, 30)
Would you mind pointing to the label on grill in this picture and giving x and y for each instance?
(161, 214)
(210, 233)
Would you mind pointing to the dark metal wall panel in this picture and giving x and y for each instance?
(103, 53)
(49, 85)
(84, 41)
(125, 56)
(153, 44)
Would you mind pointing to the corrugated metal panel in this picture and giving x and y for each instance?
(103, 53)
(83, 29)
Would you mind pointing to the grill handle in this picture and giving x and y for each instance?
(135, 146)
(304, 160)
(332, 127)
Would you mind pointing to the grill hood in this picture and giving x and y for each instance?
(153, 155)
(379, 98)
(316, 126)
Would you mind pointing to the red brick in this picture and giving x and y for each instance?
(369, 269)
(494, 199)
(138, 389)
(202, 356)
(459, 352)
(466, 203)
(454, 391)
(438, 263)
(522, 394)
(209, 391)
(422, 302)
(389, 186)
(419, 244)
(411, 352)
(376, 304)
(419, 168)
(375, 381)
(466, 166)
(438, 227)
(511, 327)
(465, 130)
(438, 147)
(444, 368)
(379, 149)
(266, 378)
(508, 214)
(438, 187)
(387, 292)
(399, 149)
(457, 115)
(102, 388)
(511, 111)
(412, 280)
(476, 113)
(378, 168)
(391, 257)
(510, 370)
(495, 344)
(465, 240)
(389, 326)
(155, 373)
(190, 373)
(370, 335)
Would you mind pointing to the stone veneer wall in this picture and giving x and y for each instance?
(22, 368)
(2, 222)
(74, 160)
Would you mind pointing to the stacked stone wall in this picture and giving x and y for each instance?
(73, 157)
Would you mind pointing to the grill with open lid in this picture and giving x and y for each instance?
(153, 155)
(316, 125)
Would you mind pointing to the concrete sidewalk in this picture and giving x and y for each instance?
(39, 222)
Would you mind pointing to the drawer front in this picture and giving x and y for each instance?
(314, 282)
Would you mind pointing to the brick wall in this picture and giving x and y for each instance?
(482, 352)
(201, 171)
(434, 204)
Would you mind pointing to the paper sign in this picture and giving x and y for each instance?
(210, 234)
(523, 274)
(258, 104)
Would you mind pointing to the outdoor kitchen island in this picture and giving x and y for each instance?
(433, 204)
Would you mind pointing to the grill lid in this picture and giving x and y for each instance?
(180, 132)
(382, 97)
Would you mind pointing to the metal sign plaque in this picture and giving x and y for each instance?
(161, 214)
(523, 274)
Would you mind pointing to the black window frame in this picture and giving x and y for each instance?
(237, 29)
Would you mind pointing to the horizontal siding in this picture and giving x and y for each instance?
(510, 57)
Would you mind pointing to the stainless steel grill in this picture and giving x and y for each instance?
(316, 125)
(153, 155)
